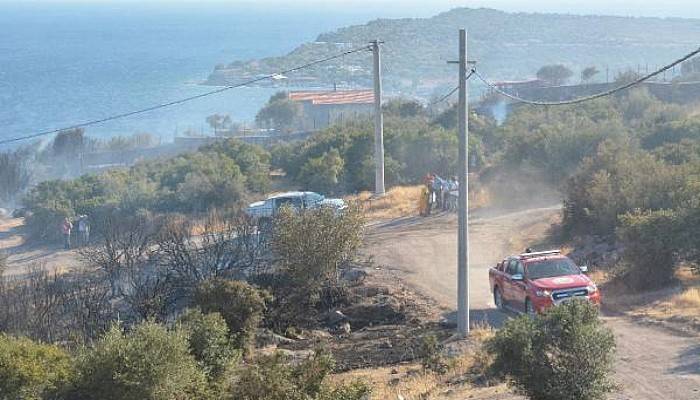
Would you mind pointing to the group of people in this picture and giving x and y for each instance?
(439, 194)
(83, 224)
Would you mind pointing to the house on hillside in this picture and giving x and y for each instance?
(324, 108)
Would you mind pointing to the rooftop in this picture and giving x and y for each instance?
(334, 97)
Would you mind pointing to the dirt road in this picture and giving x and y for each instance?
(652, 363)
(23, 255)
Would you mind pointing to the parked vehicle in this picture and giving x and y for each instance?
(298, 200)
(533, 282)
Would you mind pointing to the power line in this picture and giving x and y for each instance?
(592, 97)
(184, 100)
(451, 92)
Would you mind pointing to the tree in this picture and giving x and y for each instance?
(126, 243)
(227, 246)
(14, 175)
(588, 73)
(566, 353)
(32, 371)
(69, 142)
(149, 363)
(555, 75)
(280, 113)
(323, 174)
(219, 122)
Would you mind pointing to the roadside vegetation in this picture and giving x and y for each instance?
(152, 317)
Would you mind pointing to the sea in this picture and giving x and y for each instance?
(66, 63)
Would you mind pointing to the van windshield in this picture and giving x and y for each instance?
(551, 268)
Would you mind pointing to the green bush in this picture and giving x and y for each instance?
(216, 176)
(310, 248)
(322, 174)
(241, 306)
(565, 353)
(147, 363)
(651, 240)
(209, 341)
(272, 377)
(31, 371)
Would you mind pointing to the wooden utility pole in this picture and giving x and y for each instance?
(463, 170)
(379, 188)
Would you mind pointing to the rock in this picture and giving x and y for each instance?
(394, 371)
(354, 276)
(386, 345)
(333, 318)
(265, 337)
(344, 328)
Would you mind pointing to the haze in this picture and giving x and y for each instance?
(414, 8)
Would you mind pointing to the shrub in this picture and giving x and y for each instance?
(3, 263)
(209, 341)
(430, 352)
(651, 240)
(148, 363)
(310, 248)
(241, 306)
(357, 390)
(566, 353)
(271, 377)
(313, 244)
(30, 370)
(322, 174)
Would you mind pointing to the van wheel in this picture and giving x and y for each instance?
(529, 309)
(497, 298)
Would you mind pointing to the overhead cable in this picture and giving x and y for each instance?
(591, 97)
(184, 100)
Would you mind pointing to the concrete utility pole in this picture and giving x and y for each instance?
(379, 189)
(463, 170)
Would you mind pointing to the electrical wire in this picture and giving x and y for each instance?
(184, 100)
(592, 97)
(456, 88)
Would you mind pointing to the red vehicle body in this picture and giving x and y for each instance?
(533, 282)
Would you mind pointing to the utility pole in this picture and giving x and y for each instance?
(379, 189)
(463, 170)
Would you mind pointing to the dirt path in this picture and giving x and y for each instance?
(651, 364)
(23, 255)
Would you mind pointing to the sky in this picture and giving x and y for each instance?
(419, 8)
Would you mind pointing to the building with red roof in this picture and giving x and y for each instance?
(324, 108)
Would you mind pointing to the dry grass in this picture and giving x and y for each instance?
(677, 304)
(412, 381)
(402, 201)
(689, 300)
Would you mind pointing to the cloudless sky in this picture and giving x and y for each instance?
(414, 8)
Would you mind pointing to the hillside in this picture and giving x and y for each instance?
(506, 45)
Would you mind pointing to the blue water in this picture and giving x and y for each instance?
(65, 64)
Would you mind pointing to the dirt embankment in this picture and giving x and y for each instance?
(652, 363)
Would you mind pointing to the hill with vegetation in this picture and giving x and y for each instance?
(506, 46)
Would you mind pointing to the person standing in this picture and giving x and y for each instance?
(66, 228)
(84, 230)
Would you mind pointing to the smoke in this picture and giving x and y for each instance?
(519, 189)
(499, 111)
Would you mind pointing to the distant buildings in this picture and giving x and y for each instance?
(324, 108)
